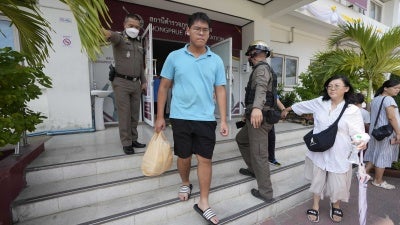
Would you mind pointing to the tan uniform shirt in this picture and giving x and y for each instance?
(128, 55)
(262, 81)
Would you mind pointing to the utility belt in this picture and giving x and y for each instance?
(126, 77)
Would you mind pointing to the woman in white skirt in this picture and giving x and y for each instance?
(330, 171)
(381, 154)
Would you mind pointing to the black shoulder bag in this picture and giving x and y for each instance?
(384, 131)
(325, 139)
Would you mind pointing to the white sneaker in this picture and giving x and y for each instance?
(384, 185)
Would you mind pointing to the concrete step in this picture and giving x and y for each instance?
(63, 163)
(161, 204)
(86, 179)
(45, 199)
(242, 209)
(94, 166)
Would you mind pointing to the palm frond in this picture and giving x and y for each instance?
(366, 37)
(342, 61)
(389, 43)
(391, 64)
(33, 28)
(88, 14)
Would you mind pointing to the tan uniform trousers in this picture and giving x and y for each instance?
(253, 145)
(127, 98)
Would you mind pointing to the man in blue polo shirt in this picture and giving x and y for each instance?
(196, 74)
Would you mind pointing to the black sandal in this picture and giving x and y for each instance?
(207, 214)
(313, 212)
(336, 212)
(186, 189)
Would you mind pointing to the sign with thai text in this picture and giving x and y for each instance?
(168, 25)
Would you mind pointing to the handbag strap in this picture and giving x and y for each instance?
(341, 113)
(379, 112)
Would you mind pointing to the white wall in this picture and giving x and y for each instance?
(67, 104)
(390, 15)
(304, 45)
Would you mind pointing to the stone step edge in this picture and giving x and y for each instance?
(123, 181)
(99, 159)
(255, 208)
(78, 162)
(196, 194)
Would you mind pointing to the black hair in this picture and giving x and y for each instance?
(357, 98)
(347, 95)
(198, 16)
(387, 84)
(135, 17)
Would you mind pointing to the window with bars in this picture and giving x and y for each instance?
(375, 11)
(285, 68)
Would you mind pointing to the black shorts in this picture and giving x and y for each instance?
(193, 137)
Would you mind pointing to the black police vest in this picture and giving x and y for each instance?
(270, 96)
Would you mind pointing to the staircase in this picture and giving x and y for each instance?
(86, 179)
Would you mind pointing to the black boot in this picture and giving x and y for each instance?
(246, 172)
(136, 144)
(128, 150)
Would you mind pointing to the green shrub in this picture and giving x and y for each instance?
(396, 165)
(287, 98)
(18, 85)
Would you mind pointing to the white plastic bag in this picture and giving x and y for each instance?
(158, 157)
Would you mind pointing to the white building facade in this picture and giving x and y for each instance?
(295, 30)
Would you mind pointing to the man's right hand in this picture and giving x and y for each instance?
(256, 117)
(159, 125)
(107, 33)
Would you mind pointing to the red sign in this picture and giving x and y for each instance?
(66, 41)
(168, 25)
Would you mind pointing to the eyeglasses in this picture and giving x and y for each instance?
(199, 30)
(333, 87)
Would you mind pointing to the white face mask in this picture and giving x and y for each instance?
(132, 32)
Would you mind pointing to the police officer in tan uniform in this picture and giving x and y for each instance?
(129, 81)
(252, 139)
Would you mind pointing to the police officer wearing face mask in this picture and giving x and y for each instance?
(252, 139)
(129, 82)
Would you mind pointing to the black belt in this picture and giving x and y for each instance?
(126, 77)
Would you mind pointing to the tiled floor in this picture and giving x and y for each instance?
(383, 208)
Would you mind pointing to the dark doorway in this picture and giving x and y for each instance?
(161, 49)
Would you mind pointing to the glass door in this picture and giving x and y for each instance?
(224, 50)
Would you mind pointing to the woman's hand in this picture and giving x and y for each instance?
(362, 145)
(397, 138)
